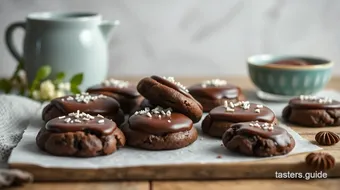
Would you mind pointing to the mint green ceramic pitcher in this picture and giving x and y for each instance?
(68, 42)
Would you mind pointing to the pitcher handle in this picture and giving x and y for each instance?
(9, 39)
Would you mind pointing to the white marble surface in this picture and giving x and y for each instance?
(197, 37)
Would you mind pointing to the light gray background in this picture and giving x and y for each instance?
(197, 37)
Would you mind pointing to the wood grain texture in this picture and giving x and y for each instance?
(86, 186)
(330, 184)
(256, 169)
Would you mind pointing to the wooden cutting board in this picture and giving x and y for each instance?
(255, 169)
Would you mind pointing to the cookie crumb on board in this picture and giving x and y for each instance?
(327, 138)
(320, 161)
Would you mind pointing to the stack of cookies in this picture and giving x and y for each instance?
(214, 92)
(166, 120)
(245, 127)
(122, 91)
(87, 124)
(82, 125)
(248, 128)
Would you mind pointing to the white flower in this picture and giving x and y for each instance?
(22, 75)
(36, 95)
(61, 86)
(58, 93)
(47, 90)
(67, 86)
(64, 86)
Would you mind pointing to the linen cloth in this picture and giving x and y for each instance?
(15, 114)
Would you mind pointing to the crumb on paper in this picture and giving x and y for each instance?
(219, 156)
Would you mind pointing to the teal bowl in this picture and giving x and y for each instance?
(289, 80)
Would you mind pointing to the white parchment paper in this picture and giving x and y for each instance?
(204, 150)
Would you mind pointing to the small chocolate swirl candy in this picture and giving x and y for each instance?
(320, 161)
(327, 138)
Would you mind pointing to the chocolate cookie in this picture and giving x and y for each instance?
(124, 92)
(159, 129)
(258, 139)
(221, 118)
(213, 93)
(312, 111)
(92, 104)
(80, 135)
(166, 92)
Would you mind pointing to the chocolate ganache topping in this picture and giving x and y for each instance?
(80, 121)
(115, 86)
(215, 89)
(85, 102)
(242, 111)
(265, 130)
(170, 82)
(313, 102)
(159, 121)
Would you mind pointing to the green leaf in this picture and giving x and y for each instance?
(43, 72)
(77, 79)
(59, 78)
(5, 85)
(35, 85)
(75, 89)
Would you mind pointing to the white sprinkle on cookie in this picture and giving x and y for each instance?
(263, 126)
(158, 112)
(324, 100)
(214, 83)
(85, 97)
(79, 117)
(172, 80)
(116, 83)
